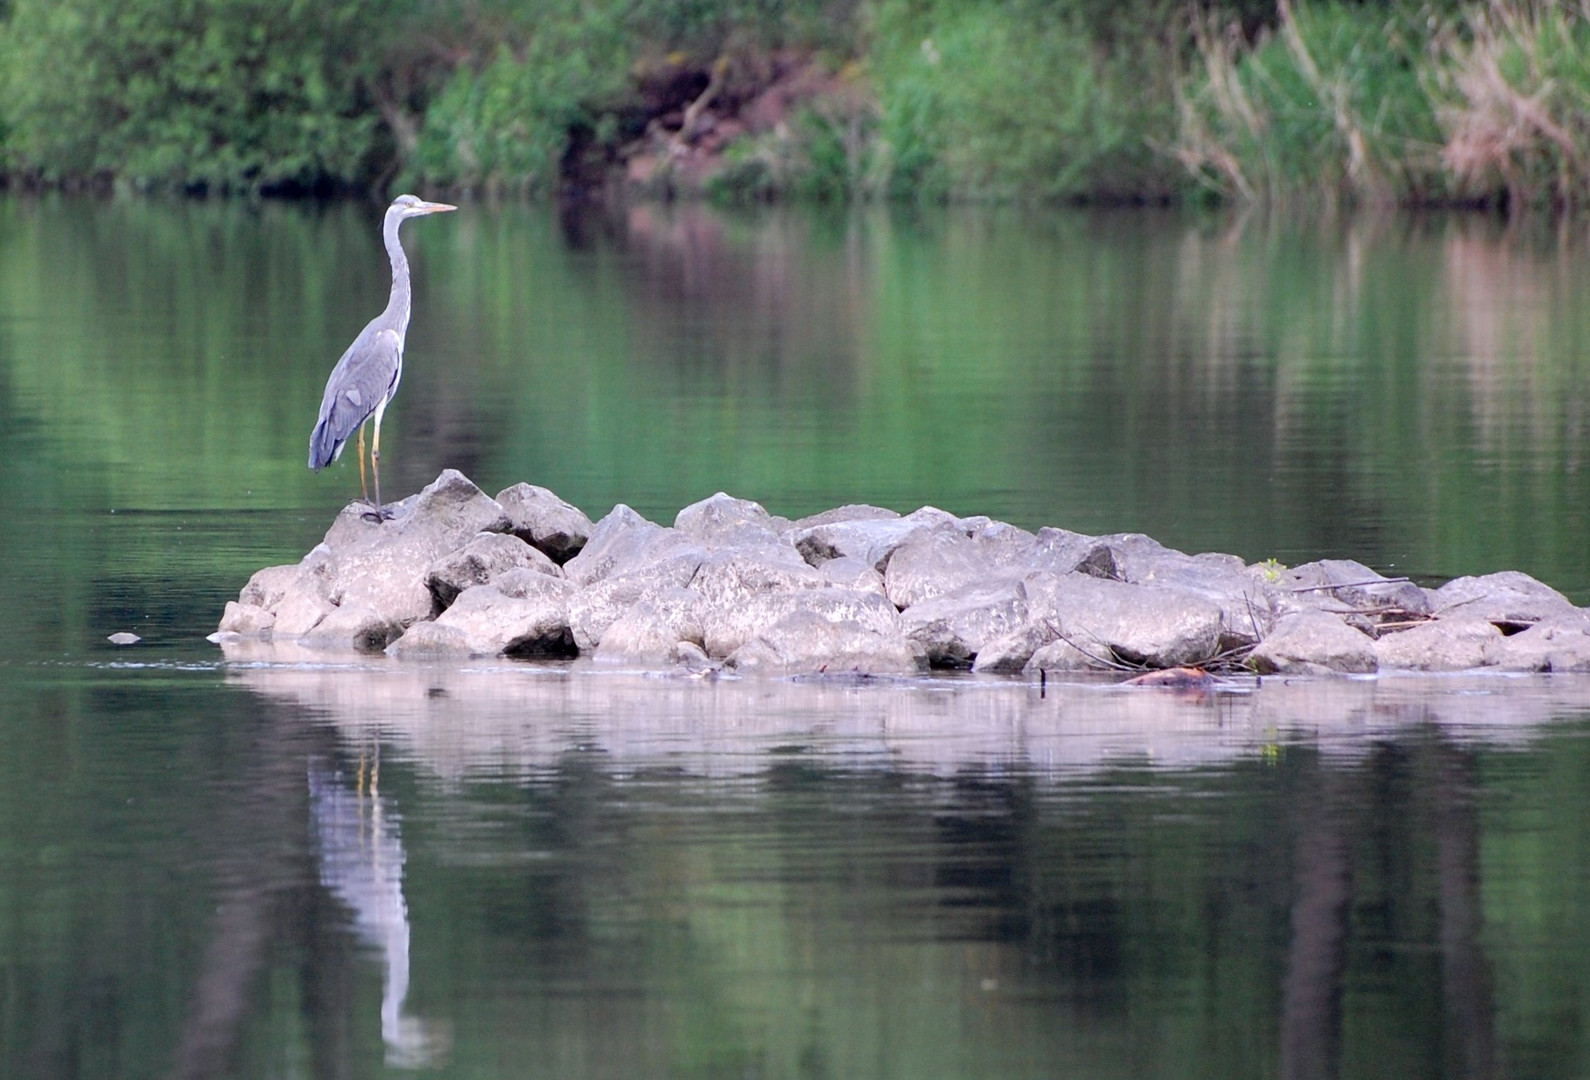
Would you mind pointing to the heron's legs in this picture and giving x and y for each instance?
(364, 490)
(380, 512)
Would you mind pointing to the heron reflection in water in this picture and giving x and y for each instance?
(361, 863)
(366, 377)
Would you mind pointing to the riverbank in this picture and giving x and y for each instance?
(1318, 104)
(862, 590)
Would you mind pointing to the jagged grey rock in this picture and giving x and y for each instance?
(1456, 644)
(382, 564)
(1129, 555)
(1003, 545)
(1160, 626)
(1246, 600)
(353, 625)
(249, 620)
(1248, 603)
(728, 578)
(1558, 643)
(848, 512)
(621, 539)
(268, 586)
(1314, 643)
(725, 627)
(1010, 653)
(299, 612)
(494, 623)
(290, 600)
(598, 605)
(693, 659)
(731, 580)
(1345, 587)
(1511, 599)
(935, 562)
(480, 560)
(650, 631)
(1060, 655)
(1061, 551)
(429, 640)
(528, 583)
(805, 642)
(725, 521)
(852, 573)
(872, 540)
(538, 517)
(954, 626)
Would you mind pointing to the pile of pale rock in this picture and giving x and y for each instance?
(860, 589)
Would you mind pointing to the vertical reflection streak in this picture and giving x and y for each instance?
(1468, 992)
(361, 863)
(1311, 1002)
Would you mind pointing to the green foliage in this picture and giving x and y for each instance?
(708, 27)
(564, 86)
(1515, 92)
(233, 95)
(823, 155)
(1333, 106)
(511, 124)
(1017, 98)
(1316, 101)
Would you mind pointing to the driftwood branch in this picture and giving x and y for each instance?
(1349, 585)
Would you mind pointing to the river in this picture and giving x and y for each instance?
(357, 868)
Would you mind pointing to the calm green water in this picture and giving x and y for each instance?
(212, 865)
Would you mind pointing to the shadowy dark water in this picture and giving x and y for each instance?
(219, 865)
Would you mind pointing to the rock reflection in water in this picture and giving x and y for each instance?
(459, 719)
(1014, 875)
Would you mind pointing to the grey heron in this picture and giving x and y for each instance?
(366, 377)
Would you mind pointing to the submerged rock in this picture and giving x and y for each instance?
(863, 590)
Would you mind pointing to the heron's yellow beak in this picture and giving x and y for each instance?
(434, 207)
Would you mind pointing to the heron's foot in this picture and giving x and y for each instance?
(373, 513)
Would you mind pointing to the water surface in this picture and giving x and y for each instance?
(227, 864)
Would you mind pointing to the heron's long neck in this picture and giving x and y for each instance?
(397, 308)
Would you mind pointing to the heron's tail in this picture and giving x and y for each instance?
(324, 446)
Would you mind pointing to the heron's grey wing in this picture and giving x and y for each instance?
(362, 379)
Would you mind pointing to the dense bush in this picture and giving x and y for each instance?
(512, 124)
(1018, 97)
(1514, 94)
(1334, 106)
(1318, 101)
(206, 94)
(555, 100)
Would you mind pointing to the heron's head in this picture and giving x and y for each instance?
(407, 206)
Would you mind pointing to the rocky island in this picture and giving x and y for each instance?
(865, 590)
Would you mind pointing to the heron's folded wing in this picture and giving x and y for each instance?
(362, 379)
